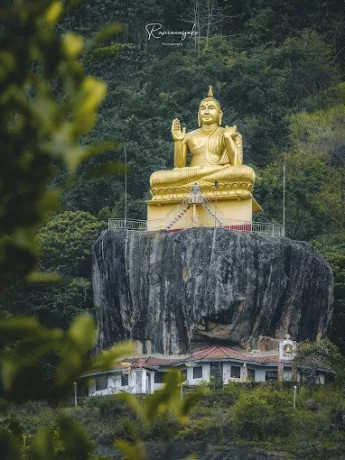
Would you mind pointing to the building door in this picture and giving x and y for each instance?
(148, 383)
(216, 371)
(139, 382)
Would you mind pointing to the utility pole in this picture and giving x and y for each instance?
(125, 148)
(215, 211)
(294, 397)
(284, 197)
(75, 394)
(197, 25)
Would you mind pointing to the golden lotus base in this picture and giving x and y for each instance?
(233, 210)
(238, 189)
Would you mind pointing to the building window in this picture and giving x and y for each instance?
(235, 372)
(101, 383)
(184, 375)
(311, 378)
(271, 375)
(159, 377)
(251, 374)
(197, 372)
(124, 380)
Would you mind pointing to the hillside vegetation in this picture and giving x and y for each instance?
(257, 421)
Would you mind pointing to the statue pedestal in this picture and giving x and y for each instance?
(224, 202)
(232, 212)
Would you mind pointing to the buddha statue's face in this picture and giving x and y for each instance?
(209, 112)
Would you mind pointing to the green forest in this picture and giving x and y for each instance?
(277, 68)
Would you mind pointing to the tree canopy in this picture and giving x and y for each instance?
(277, 68)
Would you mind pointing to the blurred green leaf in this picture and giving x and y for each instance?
(76, 442)
(43, 444)
(108, 358)
(111, 168)
(26, 328)
(188, 403)
(134, 403)
(43, 277)
(83, 332)
(107, 51)
(106, 32)
(54, 12)
(100, 147)
(131, 451)
(78, 342)
(72, 45)
(9, 446)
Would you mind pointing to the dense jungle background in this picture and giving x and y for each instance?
(278, 70)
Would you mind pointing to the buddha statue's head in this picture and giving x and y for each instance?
(210, 111)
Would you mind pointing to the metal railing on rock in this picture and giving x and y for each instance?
(268, 228)
(229, 224)
(128, 224)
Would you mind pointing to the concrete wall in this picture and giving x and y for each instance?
(205, 374)
(227, 372)
(139, 382)
(229, 211)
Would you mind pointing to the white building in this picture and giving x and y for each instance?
(137, 375)
(217, 364)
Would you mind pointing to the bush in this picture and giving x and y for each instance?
(233, 390)
(214, 429)
(219, 397)
(110, 407)
(165, 426)
(261, 414)
(327, 395)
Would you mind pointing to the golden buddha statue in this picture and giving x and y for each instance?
(215, 168)
(216, 158)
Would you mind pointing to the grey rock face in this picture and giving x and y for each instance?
(204, 284)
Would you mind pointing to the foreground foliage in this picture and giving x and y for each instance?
(315, 429)
(47, 103)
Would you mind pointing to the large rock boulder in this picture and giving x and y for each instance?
(171, 290)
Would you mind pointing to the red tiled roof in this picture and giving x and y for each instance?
(208, 354)
(218, 352)
(148, 361)
(268, 358)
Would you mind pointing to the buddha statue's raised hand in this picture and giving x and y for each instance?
(180, 150)
(177, 133)
(230, 131)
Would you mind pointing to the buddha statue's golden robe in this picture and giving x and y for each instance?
(209, 162)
